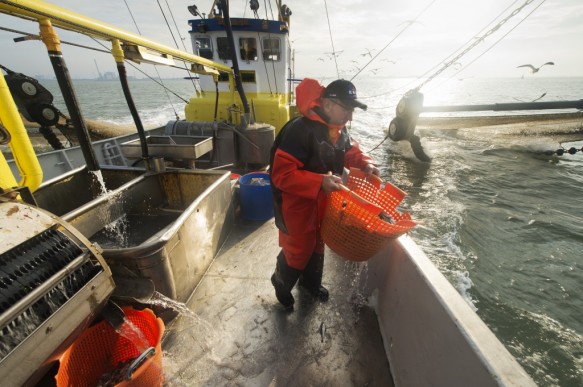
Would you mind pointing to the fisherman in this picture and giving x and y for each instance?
(307, 160)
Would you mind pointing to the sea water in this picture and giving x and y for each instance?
(503, 223)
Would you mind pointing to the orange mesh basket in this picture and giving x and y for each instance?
(99, 350)
(352, 226)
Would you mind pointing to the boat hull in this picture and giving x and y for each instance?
(430, 333)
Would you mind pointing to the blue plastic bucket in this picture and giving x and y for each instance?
(255, 198)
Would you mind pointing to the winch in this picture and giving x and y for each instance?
(53, 282)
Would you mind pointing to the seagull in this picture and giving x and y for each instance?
(536, 69)
(368, 52)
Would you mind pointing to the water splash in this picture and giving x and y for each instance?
(130, 331)
(193, 342)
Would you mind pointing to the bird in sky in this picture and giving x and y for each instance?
(535, 69)
(368, 52)
(534, 100)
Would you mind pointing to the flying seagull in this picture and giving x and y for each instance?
(535, 69)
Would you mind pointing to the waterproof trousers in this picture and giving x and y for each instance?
(285, 277)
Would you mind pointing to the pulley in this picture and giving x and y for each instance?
(402, 127)
(33, 100)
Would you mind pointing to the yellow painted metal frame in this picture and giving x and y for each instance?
(24, 156)
(69, 20)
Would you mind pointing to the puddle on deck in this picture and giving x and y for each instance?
(242, 336)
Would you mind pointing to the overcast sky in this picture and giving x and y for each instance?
(407, 46)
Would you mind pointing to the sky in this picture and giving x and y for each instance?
(406, 38)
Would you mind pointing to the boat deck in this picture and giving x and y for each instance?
(238, 334)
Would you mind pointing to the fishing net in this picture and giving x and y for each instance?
(361, 220)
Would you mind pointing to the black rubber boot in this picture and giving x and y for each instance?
(283, 281)
(311, 278)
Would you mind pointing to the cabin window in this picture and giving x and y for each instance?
(271, 49)
(248, 49)
(247, 76)
(204, 48)
(224, 48)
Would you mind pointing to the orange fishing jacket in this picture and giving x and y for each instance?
(306, 149)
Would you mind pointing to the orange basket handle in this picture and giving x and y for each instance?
(373, 179)
(139, 360)
(371, 207)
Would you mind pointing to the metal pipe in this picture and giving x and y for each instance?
(507, 106)
(51, 40)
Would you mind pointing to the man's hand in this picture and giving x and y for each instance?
(371, 169)
(330, 183)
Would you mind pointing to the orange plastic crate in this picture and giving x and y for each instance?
(100, 349)
(354, 231)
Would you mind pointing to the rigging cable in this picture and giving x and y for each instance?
(476, 42)
(140, 70)
(497, 41)
(409, 24)
(28, 36)
(155, 67)
(407, 86)
(460, 48)
(261, 47)
(476, 36)
(272, 61)
(180, 36)
(331, 40)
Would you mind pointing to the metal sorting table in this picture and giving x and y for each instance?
(170, 147)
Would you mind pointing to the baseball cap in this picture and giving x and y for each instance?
(345, 92)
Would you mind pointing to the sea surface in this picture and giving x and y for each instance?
(502, 221)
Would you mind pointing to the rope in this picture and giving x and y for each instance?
(331, 40)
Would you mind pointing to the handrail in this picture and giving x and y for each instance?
(69, 20)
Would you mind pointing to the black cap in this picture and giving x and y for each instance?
(345, 92)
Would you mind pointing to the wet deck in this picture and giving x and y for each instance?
(239, 335)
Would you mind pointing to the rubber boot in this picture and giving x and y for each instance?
(283, 281)
(311, 278)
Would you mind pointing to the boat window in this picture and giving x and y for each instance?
(248, 48)
(224, 48)
(247, 76)
(271, 50)
(204, 47)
